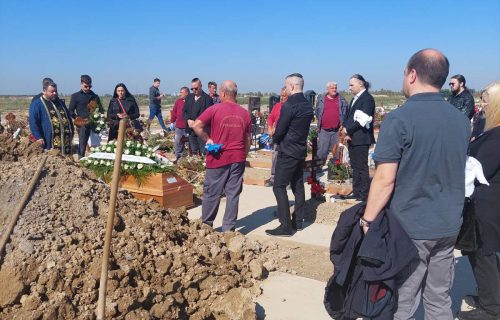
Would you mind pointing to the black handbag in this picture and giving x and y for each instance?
(468, 236)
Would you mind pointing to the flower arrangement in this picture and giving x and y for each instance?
(316, 188)
(313, 133)
(97, 119)
(339, 171)
(139, 160)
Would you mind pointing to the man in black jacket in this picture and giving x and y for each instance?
(196, 102)
(360, 135)
(291, 136)
(461, 98)
(79, 107)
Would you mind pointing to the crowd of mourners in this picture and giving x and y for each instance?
(436, 186)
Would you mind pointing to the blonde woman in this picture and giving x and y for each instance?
(485, 260)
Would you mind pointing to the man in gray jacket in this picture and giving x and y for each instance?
(331, 110)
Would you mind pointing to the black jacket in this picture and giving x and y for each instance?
(486, 149)
(464, 102)
(130, 106)
(193, 108)
(78, 105)
(360, 135)
(363, 263)
(293, 126)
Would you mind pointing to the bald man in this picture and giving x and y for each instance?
(420, 168)
(229, 125)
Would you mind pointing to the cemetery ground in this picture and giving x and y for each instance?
(47, 269)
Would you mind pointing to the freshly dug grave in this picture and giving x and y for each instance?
(162, 265)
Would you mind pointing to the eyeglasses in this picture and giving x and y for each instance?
(451, 84)
(193, 89)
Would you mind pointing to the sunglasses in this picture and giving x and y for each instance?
(87, 86)
(451, 84)
(193, 89)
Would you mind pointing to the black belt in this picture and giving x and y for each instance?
(331, 130)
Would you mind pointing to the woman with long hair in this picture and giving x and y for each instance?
(123, 105)
(485, 260)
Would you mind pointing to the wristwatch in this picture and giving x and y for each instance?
(364, 223)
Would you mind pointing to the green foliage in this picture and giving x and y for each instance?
(339, 171)
(313, 133)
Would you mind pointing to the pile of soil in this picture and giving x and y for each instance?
(162, 265)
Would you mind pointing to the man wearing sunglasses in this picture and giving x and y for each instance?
(196, 102)
(461, 98)
(79, 111)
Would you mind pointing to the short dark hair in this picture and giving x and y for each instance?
(431, 69)
(295, 75)
(84, 78)
(156, 80)
(460, 78)
(195, 79)
(366, 84)
(48, 84)
(212, 83)
(45, 81)
(185, 88)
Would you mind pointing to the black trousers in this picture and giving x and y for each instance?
(196, 144)
(289, 170)
(358, 156)
(486, 269)
(83, 138)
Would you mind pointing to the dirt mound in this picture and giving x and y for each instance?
(11, 150)
(162, 266)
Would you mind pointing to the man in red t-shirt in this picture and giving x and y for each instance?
(272, 120)
(331, 111)
(177, 119)
(229, 125)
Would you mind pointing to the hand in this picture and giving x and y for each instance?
(190, 123)
(122, 115)
(347, 139)
(209, 141)
(40, 142)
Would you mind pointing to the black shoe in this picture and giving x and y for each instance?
(472, 301)
(350, 196)
(476, 314)
(297, 224)
(279, 232)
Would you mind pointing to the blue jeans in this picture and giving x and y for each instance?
(155, 111)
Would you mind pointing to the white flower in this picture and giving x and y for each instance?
(108, 163)
(137, 153)
(103, 148)
(96, 162)
(101, 122)
(132, 166)
(127, 151)
(144, 146)
(163, 166)
(103, 143)
(108, 149)
(102, 162)
(92, 149)
(112, 142)
(128, 143)
(102, 115)
(98, 129)
(140, 166)
(150, 149)
(96, 115)
(89, 161)
(125, 167)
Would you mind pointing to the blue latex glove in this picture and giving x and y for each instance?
(213, 148)
(171, 127)
(265, 138)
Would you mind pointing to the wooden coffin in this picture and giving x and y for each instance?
(168, 189)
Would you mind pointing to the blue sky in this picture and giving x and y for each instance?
(256, 43)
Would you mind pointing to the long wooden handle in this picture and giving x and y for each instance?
(101, 302)
(20, 207)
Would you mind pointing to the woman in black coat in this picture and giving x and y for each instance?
(485, 260)
(121, 106)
